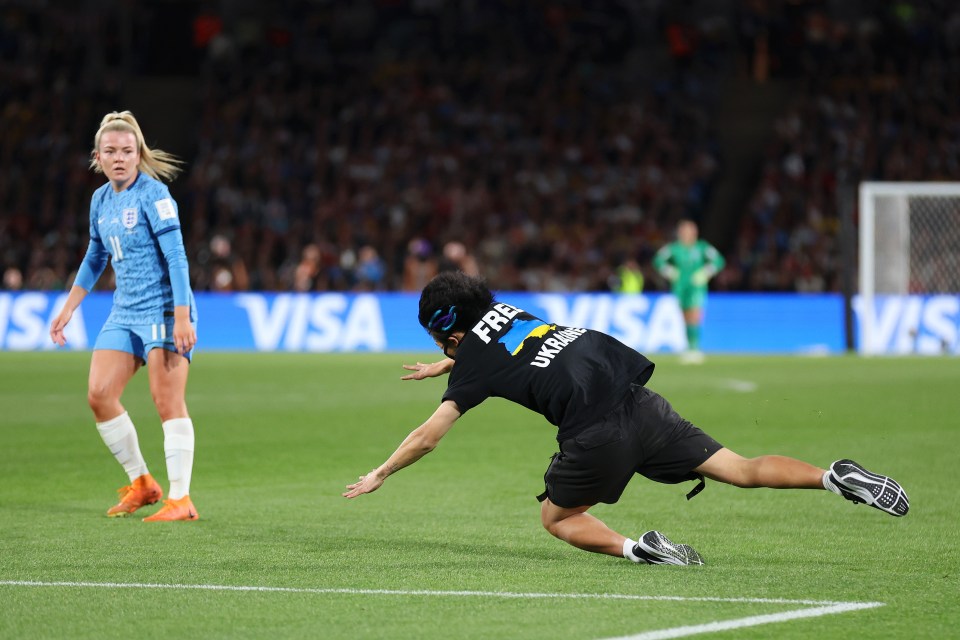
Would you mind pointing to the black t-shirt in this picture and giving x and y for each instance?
(573, 377)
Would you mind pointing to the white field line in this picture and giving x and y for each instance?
(741, 386)
(752, 621)
(421, 592)
(819, 607)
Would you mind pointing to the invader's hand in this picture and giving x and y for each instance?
(422, 370)
(366, 484)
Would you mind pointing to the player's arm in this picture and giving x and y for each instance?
(91, 268)
(164, 221)
(171, 244)
(433, 370)
(714, 262)
(662, 262)
(417, 444)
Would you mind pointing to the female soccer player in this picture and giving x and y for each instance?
(134, 222)
(689, 263)
(610, 425)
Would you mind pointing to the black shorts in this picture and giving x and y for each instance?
(642, 435)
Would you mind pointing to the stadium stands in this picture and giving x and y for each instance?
(342, 146)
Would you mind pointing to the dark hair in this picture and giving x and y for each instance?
(453, 301)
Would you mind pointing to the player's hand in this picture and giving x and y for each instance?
(700, 277)
(184, 335)
(366, 484)
(671, 273)
(58, 325)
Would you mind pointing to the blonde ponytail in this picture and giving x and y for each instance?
(154, 162)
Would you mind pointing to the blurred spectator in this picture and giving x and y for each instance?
(306, 276)
(457, 258)
(419, 265)
(371, 271)
(628, 277)
(12, 279)
(225, 271)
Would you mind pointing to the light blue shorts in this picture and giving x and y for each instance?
(138, 339)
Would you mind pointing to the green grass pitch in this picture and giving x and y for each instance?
(279, 435)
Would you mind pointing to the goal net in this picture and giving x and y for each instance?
(909, 267)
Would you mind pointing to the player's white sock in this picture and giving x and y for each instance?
(120, 436)
(178, 447)
(628, 553)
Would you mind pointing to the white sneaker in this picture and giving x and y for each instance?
(655, 548)
(853, 482)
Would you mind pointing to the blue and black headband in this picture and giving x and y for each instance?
(442, 319)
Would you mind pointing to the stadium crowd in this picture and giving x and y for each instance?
(355, 160)
(367, 145)
(879, 103)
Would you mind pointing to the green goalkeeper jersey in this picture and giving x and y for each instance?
(688, 266)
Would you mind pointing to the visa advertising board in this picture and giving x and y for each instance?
(348, 322)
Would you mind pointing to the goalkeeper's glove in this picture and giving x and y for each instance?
(671, 273)
(700, 277)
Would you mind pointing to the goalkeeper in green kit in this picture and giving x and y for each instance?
(689, 263)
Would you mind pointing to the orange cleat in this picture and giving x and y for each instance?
(173, 510)
(141, 492)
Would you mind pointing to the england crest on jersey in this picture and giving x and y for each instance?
(129, 217)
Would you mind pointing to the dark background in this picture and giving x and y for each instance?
(359, 145)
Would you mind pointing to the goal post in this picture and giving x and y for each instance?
(909, 256)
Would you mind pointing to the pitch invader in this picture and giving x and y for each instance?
(135, 225)
(610, 426)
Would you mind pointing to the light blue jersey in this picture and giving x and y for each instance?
(139, 228)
